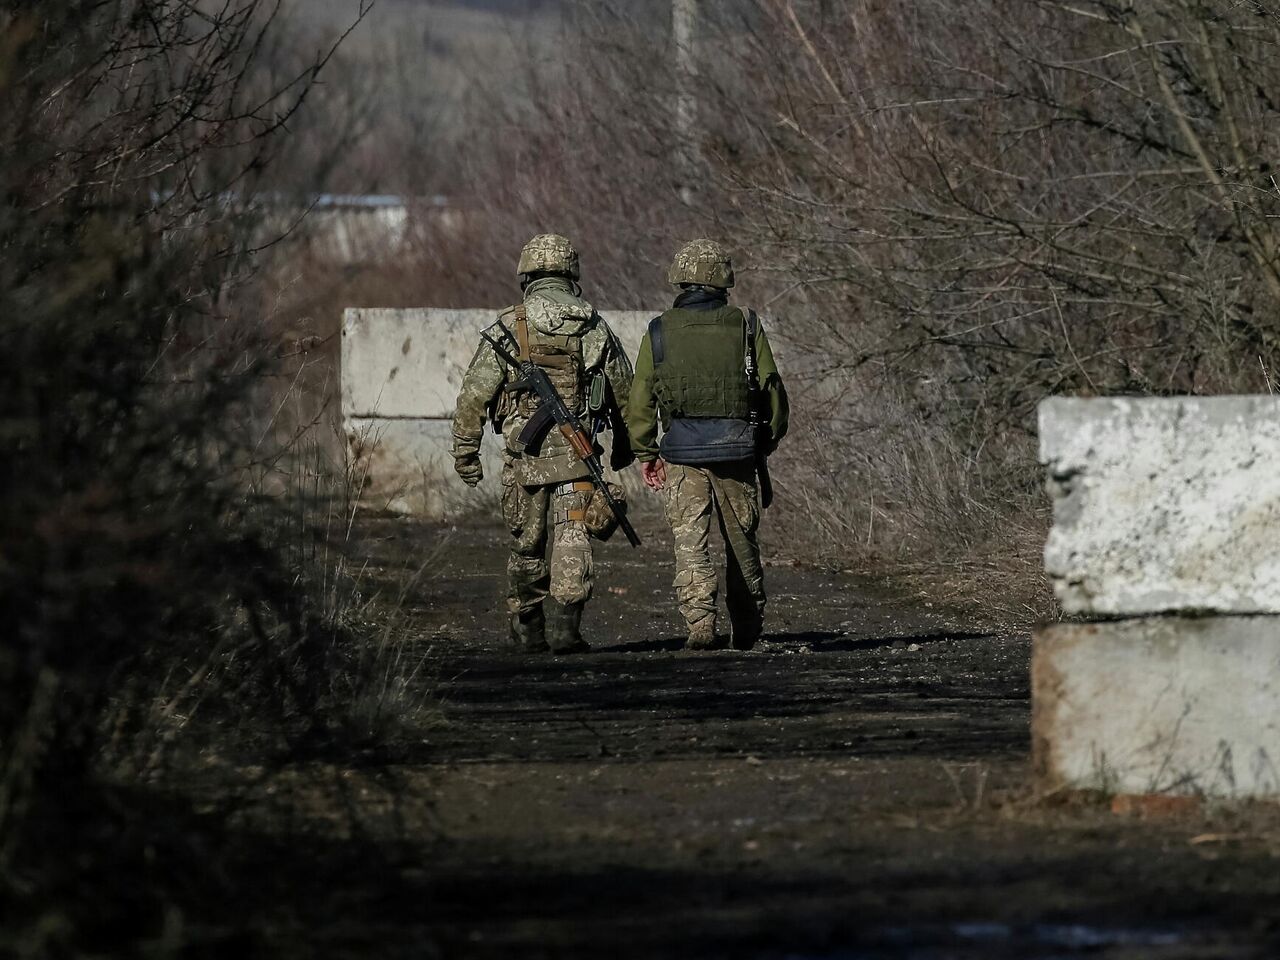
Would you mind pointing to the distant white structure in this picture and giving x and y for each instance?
(364, 228)
(345, 229)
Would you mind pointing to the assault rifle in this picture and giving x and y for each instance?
(554, 411)
(757, 399)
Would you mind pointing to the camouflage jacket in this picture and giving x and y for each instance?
(561, 327)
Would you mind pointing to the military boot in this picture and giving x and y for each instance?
(528, 630)
(564, 624)
(746, 631)
(702, 634)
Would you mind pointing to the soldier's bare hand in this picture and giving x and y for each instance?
(654, 474)
(469, 469)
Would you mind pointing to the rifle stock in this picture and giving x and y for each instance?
(766, 482)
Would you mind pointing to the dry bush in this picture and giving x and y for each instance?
(980, 205)
(1035, 198)
(147, 590)
(951, 210)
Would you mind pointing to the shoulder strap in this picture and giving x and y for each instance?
(752, 324)
(656, 342)
(522, 332)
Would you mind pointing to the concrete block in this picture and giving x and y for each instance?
(403, 466)
(1176, 705)
(1164, 504)
(409, 363)
(406, 363)
(401, 370)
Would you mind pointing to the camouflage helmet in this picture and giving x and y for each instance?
(598, 518)
(549, 253)
(704, 262)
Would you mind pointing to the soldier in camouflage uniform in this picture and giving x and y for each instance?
(547, 490)
(692, 374)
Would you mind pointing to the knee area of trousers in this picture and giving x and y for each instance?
(571, 592)
(695, 581)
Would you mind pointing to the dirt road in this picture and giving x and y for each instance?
(856, 787)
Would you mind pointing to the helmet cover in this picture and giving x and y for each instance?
(703, 262)
(549, 253)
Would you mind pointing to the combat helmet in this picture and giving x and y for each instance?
(704, 262)
(549, 253)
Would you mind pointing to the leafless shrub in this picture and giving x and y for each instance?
(953, 210)
(976, 206)
(146, 586)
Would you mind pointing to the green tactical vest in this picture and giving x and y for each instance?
(701, 370)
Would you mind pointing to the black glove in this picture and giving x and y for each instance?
(620, 457)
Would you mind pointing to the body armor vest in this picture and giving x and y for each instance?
(702, 372)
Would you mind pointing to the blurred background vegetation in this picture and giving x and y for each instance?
(948, 211)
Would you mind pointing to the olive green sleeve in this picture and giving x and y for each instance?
(642, 409)
(775, 391)
(480, 384)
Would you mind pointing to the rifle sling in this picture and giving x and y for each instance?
(522, 333)
(657, 345)
(752, 324)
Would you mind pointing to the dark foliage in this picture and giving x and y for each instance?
(139, 578)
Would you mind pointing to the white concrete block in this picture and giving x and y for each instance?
(404, 466)
(409, 363)
(1178, 705)
(1164, 504)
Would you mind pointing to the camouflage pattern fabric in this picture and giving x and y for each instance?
(559, 320)
(548, 253)
(600, 519)
(572, 571)
(727, 492)
(535, 503)
(535, 514)
(704, 262)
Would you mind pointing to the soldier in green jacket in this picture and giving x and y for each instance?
(692, 374)
(546, 490)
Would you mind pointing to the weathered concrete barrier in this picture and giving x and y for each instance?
(401, 370)
(1165, 506)
(1187, 705)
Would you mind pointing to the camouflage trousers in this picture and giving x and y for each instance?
(534, 515)
(728, 493)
